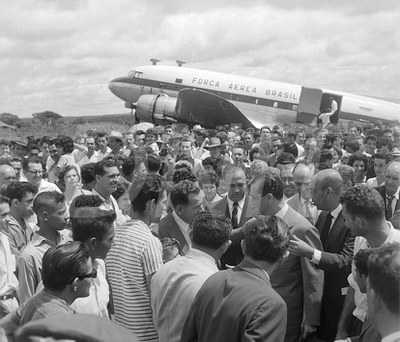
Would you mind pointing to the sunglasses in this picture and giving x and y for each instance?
(91, 275)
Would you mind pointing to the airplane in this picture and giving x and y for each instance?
(171, 94)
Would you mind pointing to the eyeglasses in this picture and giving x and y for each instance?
(91, 275)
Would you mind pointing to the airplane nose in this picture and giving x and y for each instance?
(125, 88)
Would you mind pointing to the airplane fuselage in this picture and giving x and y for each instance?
(261, 101)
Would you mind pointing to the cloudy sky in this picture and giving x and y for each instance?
(59, 55)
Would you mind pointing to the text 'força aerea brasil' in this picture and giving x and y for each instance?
(244, 88)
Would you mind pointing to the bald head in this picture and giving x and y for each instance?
(330, 178)
(326, 188)
(7, 175)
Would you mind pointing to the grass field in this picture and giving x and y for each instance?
(71, 126)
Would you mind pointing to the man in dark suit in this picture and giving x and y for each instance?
(239, 304)
(336, 256)
(239, 206)
(390, 191)
(296, 279)
(186, 198)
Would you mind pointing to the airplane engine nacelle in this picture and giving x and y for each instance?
(156, 108)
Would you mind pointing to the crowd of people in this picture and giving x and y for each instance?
(225, 234)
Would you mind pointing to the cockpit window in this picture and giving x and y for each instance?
(135, 74)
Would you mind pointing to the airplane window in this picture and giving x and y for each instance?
(131, 73)
(275, 105)
(295, 107)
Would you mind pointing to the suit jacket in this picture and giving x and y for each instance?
(298, 281)
(168, 228)
(336, 259)
(237, 304)
(234, 255)
(296, 204)
(382, 191)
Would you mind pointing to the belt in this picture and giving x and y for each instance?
(9, 296)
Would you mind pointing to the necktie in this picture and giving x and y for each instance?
(235, 222)
(307, 209)
(389, 201)
(326, 228)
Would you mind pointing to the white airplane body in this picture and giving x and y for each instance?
(163, 94)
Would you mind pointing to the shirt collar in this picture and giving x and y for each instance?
(396, 194)
(179, 221)
(336, 212)
(107, 200)
(240, 203)
(197, 254)
(281, 213)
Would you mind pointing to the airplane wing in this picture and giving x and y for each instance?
(209, 110)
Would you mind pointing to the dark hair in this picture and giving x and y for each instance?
(371, 137)
(290, 148)
(181, 191)
(90, 223)
(45, 201)
(384, 275)
(210, 161)
(211, 229)
(266, 239)
(285, 158)
(361, 261)
(208, 177)
(358, 157)
(382, 155)
(87, 173)
(122, 187)
(273, 185)
(142, 192)
(30, 160)
(63, 263)
(17, 190)
(255, 149)
(99, 167)
(363, 200)
(45, 140)
(385, 141)
(167, 150)
(67, 143)
(153, 162)
(183, 174)
(64, 171)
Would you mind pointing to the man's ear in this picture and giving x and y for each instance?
(74, 285)
(15, 202)
(92, 243)
(45, 216)
(178, 209)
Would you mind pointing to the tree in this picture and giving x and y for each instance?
(9, 119)
(47, 117)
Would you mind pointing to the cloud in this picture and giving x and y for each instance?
(60, 55)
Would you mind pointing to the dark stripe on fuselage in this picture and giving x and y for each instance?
(227, 96)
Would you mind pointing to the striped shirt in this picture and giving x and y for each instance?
(135, 254)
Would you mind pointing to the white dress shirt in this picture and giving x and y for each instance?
(239, 207)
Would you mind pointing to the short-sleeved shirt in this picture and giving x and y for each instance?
(99, 295)
(30, 263)
(360, 298)
(173, 289)
(18, 236)
(41, 305)
(135, 254)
